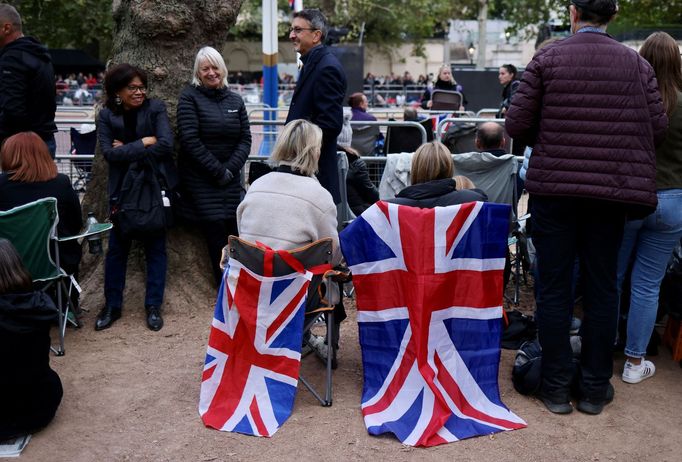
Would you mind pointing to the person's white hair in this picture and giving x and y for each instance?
(214, 58)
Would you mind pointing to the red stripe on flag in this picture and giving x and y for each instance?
(396, 384)
(456, 225)
(453, 390)
(393, 289)
(286, 312)
(257, 419)
(207, 373)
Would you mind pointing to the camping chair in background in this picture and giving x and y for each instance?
(365, 138)
(32, 229)
(404, 139)
(82, 143)
(444, 100)
(497, 177)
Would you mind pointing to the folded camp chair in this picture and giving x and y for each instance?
(32, 229)
(497, 177)
(365, 138)
(444, 100)
(316, 258)
(82, 144)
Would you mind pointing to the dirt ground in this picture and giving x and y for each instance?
(131, 394)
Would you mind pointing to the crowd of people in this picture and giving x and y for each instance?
(604, 177)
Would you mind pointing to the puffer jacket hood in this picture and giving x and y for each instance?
(28, 45)
(26, 312)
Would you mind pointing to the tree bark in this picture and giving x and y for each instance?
(162, 37)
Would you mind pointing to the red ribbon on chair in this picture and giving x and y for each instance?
(289, 259)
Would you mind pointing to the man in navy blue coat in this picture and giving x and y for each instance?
(320, 90)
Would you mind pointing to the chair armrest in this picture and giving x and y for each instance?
(98, 228)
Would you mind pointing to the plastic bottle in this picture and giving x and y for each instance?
(94, 241)
(164, 199)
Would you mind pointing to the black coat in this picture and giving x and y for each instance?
(215, 136)
(437, 193)
(318, 97)
(30, 391)
(152, 120)
(27, 89)
(16, 193)
(360, 190)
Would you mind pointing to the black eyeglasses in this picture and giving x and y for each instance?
(134, 88)
(298, 30)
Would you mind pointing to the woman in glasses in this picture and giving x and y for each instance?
(132, 128)
(215, 138)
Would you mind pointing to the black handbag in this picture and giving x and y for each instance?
(143, 207)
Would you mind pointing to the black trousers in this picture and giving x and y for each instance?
(563, 228)
(216, 234)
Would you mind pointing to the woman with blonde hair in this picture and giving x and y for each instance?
(648, 243)
(288, 208)
(215, 140)
(445, 81)
(434, 183)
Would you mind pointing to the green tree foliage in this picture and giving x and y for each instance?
(84, 24)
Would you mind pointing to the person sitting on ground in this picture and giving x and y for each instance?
(289, 208)
(358, 106)
(433, 181)
(360, 191)
(490, 138)
(30, 391)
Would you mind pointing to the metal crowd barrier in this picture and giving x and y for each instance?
(77, 167)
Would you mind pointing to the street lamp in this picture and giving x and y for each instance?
(471, 50)
(507, 35)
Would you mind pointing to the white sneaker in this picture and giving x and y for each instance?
(317, 344)
(635, 373)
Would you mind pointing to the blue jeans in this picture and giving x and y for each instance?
(116, 262)
(652, 240)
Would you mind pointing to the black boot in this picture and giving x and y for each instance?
(154, 319)
(106, 317)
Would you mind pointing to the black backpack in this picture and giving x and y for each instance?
(527, 371)
(140, 211)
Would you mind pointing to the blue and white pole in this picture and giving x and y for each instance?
(270, 77)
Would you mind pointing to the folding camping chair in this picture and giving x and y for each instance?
(444, 100)
(364, 139)
(407, 139)
(497, 177)
(82, 144)
(315, 257)
(32, 229)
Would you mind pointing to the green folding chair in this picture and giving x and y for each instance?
(32, 229)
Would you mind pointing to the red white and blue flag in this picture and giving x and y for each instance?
(254, 351)
(429, 298)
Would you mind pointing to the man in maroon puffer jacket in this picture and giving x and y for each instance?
(591, 110)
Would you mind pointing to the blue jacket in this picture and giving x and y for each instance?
(318, 97)
(152, 120)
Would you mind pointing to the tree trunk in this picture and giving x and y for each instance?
(162, 37)
(482, 33)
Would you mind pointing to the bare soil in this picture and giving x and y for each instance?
(132, 394)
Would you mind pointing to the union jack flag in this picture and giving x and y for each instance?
(429, 299)
(254, 351)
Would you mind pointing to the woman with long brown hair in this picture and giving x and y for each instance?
(30, 391)
(648, 243)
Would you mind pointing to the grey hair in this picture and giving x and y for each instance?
(316, 19)
(298, 145)
(9, 13)
(211, 55)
